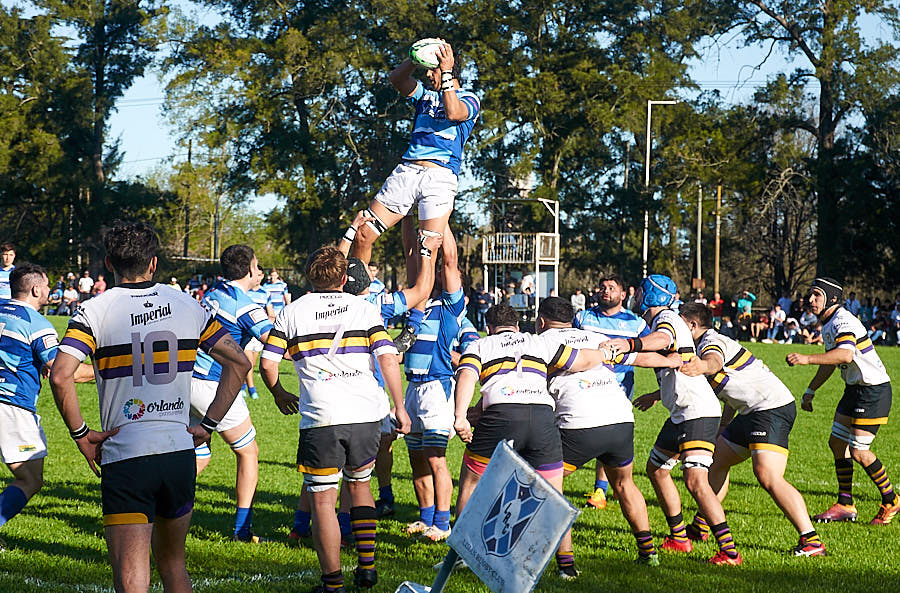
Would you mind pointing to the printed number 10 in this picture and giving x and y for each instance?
(147, 369)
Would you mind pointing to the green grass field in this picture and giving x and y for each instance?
(56, 544)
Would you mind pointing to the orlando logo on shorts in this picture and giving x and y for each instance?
(508, 517)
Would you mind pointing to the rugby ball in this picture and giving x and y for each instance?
(424, 52)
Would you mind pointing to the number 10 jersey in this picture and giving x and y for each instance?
(143, 339)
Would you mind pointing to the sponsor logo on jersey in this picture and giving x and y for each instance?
(27, 448)
(331, 312)
(164, 408)
(323, 375)
(508, 342)
(156, 314)
(585, 384)
(144, 296)
(134, 409)
(257, 315)
(50, 341)
(510, 391)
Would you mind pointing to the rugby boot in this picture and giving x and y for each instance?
(886, 512)
(384, 508)
(249, 538)
(435, 534)
(648, 560)
(569, 573)
(365, 578)
(416, 527)
(807, 548)
(596, 499)
(838, 512)
(723, 558)
(673, 545)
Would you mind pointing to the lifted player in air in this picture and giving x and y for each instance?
(763, 412)
(690, 433)
(864, 406)
(233, 308)
(612, 320)
(143, 338)
(515, 404)
(332, 337)
(427, 174)
(595, 416)
(28, 345)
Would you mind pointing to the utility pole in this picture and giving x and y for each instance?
(644, 251)
(718, 223)
(699, 228)
(187, 207)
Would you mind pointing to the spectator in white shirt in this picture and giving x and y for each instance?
(777, 317)
(578, 300)
(85, 284)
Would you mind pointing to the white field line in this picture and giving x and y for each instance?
(198, 583)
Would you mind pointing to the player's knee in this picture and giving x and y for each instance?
(859, 450)
(766, 477)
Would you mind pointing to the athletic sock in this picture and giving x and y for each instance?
(426, 515)
(724, 539)
(344, 522)
(301, 521)
(364, 525)
(243, 520)
(644, 544)
(386, 493)
(252, 391)
(676, 525)
(878, 474)
(244, 387)
(12, 500)
(811, 537)
(565, 559)
(844, 470)
(602, 485)
(442, 520)
(414, 320)
(333, 581)
(700, 524)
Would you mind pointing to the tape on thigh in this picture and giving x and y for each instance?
(661, 460)
(413, 442)
(376, 225)
(244, 440)
(203, 451)
(358, 475)
(321, 483)
(841, 432)
(697, 462)
(861, 442)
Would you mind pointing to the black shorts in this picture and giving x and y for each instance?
(327, 450)
(699, 433)
(613, 445)
(532, 429)
(868, 405)
(136, 490)
(766, 430)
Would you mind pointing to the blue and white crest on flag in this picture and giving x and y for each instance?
(509, 516)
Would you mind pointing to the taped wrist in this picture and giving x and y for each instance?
(350, 234)
(446, 81)
(80, 432)
(208, 424)
(424, 251)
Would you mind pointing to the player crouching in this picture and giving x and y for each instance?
(765, 412)
(332, 336)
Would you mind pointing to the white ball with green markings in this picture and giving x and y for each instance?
(424, 52)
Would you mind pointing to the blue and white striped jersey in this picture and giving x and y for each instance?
(5, 292)
(390, 305)
(376, 286)
(434, 137)
(467, 334)
(260, 296)
(239, 315)
(429, 357)
(27, 342)
(276, 292)
(622, 324)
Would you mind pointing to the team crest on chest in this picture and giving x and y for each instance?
(509, 516)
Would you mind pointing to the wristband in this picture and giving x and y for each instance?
(635, 344)
(446, 75)
(350, 234)
(208, 424)
(447, 81)
(80, 432)
(809, 392)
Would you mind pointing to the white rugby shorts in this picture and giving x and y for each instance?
(429, 407)
(21, 435)
(433, 189)
(202, 395)
(254, 345)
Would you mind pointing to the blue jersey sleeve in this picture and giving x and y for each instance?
(44, 341)
(455, 302)
(253, 320)
(392, 304)
(417, 94)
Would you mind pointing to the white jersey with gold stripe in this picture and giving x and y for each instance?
(745, 382)
(332, 338)
(143, 339)
(844, 330)
(591, 398)
(685, 397)
(513, 367)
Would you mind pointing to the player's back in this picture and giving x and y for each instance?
(276, 292)
(239, 315)
(429, 358)
(25, 335)
(844, 330)
(143, 338)
(745, 382)
(685, 397)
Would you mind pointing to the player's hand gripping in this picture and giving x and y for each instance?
(692, 368)
(445, 57)
(463, 429)
(199, 435)
(646, 401)
(402, 423)
(795, 358)
(90, 446)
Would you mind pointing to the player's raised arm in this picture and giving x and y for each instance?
(402, 78)
(455, 109)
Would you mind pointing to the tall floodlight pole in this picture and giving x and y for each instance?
(650, 105)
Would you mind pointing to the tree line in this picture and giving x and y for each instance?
(291, 99)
